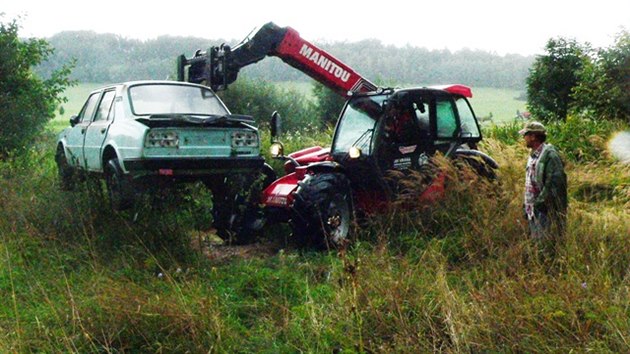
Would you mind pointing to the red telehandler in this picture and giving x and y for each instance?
(379, 130)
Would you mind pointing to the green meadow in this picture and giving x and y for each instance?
(457, 276)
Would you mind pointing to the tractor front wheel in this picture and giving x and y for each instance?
(323, 211)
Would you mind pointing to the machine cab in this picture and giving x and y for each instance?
(398, 130)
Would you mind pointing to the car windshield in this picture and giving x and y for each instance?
(357, 124)
(160, 99)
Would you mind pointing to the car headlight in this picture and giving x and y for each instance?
(244, 139)
(162, 139)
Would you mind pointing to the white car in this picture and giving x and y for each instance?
(136, 132)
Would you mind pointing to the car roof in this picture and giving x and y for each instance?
(126, 84)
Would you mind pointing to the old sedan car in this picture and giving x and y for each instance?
(135, 133)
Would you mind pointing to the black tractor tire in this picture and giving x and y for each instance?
(120, 187)
(65, 171)
(322, 214)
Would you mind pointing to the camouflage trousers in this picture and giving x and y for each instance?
(547, 230)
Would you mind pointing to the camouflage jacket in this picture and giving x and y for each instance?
(552, 179)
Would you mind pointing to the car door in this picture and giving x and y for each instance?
(76, 135)
(97, 131)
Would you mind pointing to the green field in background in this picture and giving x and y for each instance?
(502, 103)
(76, 96)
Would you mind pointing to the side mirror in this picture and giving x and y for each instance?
(74, 120)
(276, 125)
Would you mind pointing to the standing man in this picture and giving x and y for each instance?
(545, 187)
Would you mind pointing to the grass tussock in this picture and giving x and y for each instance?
(458, 275)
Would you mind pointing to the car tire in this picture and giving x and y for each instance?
(119, 186)
(322, 214)
(65, 171)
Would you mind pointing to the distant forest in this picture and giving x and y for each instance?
(108, 58)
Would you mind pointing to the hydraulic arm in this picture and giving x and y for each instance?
(219, 66)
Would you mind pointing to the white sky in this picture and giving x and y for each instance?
(521, 27)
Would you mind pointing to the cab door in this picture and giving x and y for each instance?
(97, 131)
(75, 137)
(446, 123)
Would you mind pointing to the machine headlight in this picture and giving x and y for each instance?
(162, 138)
(276, 150)
(244, 139)
(354, 152)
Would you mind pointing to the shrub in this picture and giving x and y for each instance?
(604, 87)
(27, 102)
(260, 99)
(579, 139)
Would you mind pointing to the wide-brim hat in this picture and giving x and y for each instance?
(533, 127)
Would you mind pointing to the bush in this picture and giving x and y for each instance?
(578, 139)
(604, 88)
(27, 102)
(329, 104)
(260, 99)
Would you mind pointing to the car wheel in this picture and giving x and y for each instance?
(65, 171)
(323, 211)
(119, 186)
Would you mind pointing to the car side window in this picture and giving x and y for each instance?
(88, 108)
(106, 104)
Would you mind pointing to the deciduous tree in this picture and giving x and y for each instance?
(604, 88)
(27, 102)
(553, 77)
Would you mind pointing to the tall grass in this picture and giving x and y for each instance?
(458, 276)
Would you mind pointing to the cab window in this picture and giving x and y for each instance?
(470, 129)
(446, 119)
(357, 125)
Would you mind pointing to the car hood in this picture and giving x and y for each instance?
(186, 120)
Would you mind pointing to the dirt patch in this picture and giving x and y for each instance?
(215, 249)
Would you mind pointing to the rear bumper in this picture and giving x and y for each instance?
(192, 166)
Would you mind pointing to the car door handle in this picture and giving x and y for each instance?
(82, 130)
(103, 130)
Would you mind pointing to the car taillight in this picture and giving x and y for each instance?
(244, 139)
(162, 139)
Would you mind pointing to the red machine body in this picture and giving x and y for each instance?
(219, 66)
(320, 65)
(343, 184)
(280, 192)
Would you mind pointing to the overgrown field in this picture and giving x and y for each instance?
(459, 276)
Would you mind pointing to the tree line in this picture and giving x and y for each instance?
(112, 58)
